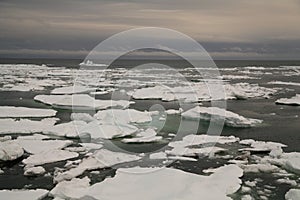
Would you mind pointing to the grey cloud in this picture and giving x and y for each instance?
(258, 27)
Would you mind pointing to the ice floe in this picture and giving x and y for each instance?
(76, 89)
(294, 101)
(100, 159)
(73, 189)
(173, 112)
(293, 194)
(39, 146)
(10, 150)
(146, 136)
(261, 146)
(123, 116)
(200, 92)
(158, 155)
(224, 181)
(222, 115)
(284, 83)
(11, 111)
(23, 194)
(34, 171)
(184, 146)
(98, 129)
(49, 157)
(69, 129)
(82, 117)
(80, 102)
(25, 126)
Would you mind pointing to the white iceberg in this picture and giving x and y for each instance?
(10, 150)
(167, 184)
(218, 114)
(37, 194)
(294, 101)
(80, 102)
(11, 111)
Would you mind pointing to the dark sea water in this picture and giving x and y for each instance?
(281, 123)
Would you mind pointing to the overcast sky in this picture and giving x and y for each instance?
(227, 29)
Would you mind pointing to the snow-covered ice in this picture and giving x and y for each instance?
(76, 89)
(97, 130)
(158, 155)
(219, 114)
(100, 159)
(23, 194)
(34, 171)
(10, 150)
(123, 116)
(39, 146)
(200, 92)
(293, 194)
(80, 102)
(284, 83)
(167, 184)
(82, 117)
(12, 111)
(25, 126)
(73, 189)
(49, 157)
(69, 129)
(146, 136)
(182, 147)
(290, 101)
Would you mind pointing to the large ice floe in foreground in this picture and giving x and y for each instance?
(164, 183)
(23, 194)
(294, 101)
(218, 114)
(11, 111)
(167, 184)
(80, 101)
